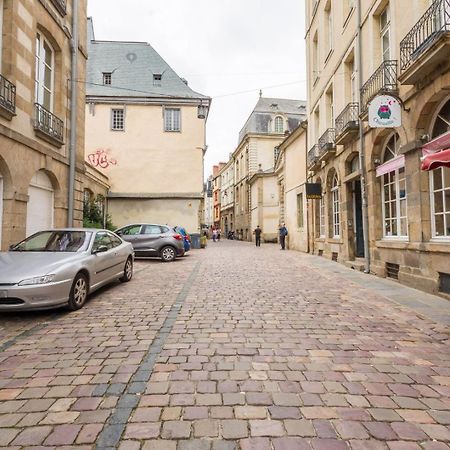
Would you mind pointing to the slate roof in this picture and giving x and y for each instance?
(268, 108)
(132, 65)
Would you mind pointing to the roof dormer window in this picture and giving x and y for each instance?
(157, 78)
(279, 124)
(107, 78)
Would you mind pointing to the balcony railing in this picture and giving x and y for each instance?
(60, 5)
(313, 156)
(383, 80)
(430, 27)
(48, 124)
(7, 96)
(347, 120)
(327, 143)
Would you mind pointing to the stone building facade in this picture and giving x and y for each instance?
(227, 197)
(407, 235)
(255, 187)
(35, 117)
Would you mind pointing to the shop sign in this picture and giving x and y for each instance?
(385, 111)
(313, 191)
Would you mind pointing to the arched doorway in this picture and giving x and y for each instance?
(40, 203)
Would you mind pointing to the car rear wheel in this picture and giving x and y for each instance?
(127, 271)
(79, 292)
(168, 254)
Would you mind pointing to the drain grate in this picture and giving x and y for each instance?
(392, 270)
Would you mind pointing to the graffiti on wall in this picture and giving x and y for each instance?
(101, 159)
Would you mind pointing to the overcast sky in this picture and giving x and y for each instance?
(222, 47)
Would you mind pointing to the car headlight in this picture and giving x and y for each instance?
(44, 279)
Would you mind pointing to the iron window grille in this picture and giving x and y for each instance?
(430, 27)
(383, 80)
(117, 120)
(7, 95)
(48, 123)
(172, 119)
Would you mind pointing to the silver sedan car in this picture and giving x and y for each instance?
(61, 267)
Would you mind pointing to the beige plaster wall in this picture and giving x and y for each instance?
(144, 158)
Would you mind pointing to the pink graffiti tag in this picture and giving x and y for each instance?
(101, 159)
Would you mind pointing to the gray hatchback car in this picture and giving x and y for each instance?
(150, 239)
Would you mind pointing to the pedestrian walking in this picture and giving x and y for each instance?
(283, 232)
(257, 232)
(214, 235)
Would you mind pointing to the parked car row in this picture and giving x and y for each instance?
(61, 267)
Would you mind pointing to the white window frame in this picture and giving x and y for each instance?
(107, 78)
(385, 31)
(170, 122)
(40, 66)
(335, 207)
(322, 225)
(445, 213)
(115, 120)
(396, 186)
(329, 25)
(157, 79)
(278, 124)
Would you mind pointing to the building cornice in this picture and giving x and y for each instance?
(156, 196)
(146, 100)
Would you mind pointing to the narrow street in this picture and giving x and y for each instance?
(232, 347)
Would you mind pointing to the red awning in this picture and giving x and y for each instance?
(435, 160)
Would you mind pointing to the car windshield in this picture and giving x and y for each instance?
(55, 241)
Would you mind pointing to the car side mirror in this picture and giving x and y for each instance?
(101, 249)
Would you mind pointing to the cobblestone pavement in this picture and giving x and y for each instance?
(232, 347)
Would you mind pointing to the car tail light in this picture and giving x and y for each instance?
(178, 237)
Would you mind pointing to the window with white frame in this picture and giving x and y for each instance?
(300, 219)
(315, 57)
(157, 79)
(322, 227)
(440, 182)
(335, 207)
(329, 26)
(44, 72)
(278, 124)
(440, 202)
(107, 78)
(117, 119)
(172, 119)
(395, 222)
(385, 34)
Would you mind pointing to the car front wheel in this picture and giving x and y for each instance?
(168, 254)
(79, 292)
(127, 271)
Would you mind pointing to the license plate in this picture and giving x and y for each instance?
(3, 294)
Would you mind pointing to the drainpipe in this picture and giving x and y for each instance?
(73, 112)
(362, 157)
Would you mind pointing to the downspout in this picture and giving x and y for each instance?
(73, 112)
(304, 125)
(362, 157)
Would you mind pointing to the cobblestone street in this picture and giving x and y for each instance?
(232, 347)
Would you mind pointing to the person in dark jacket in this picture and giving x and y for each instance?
(257, 232)
(282, 231)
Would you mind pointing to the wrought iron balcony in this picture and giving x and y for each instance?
(427, 44)
(313, 157)
(327, 144)
(382, 81)
(48, 126)
(61, 6)
(7, 98)
(346, 123)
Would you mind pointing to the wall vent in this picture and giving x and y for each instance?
(392, 270)
(320, 253)
(334, 256)
(444, 283)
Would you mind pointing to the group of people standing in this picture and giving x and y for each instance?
(282, 233)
